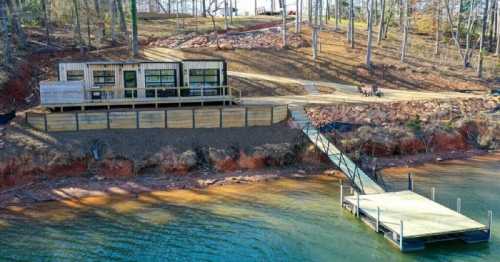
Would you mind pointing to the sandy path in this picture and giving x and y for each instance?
(343, 93)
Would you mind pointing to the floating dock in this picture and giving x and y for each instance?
(410, 220)
(407, 219)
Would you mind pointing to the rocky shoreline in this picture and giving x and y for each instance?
(72, 188)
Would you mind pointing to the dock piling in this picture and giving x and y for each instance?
(401, 236)
(378, 219)
(341, 193)
(357, 205)
(459, 205)
(433, 194)
(490, 223)
(410, 182)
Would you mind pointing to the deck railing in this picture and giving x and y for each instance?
(105, 93)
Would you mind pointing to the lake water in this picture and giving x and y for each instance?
(283, 220)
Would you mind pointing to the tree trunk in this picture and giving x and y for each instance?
(369, 42)
(123, 23)
(471, 21)
(283, 6)
(16, 24)
(310, 12)
(4, 29)
(135, 35)
(226, 26)
(351, 23)
(337, 14)
(404, 42)
(112, 9)
(78, 29)
(46, 21)
(89, 39)
(497, 52)
(438, 25)
(100, 23)
(231, 11)
(481, 41)
(297, 16)
(492, 26)
(401, 15)
(315, 29)
(381, 23)
(389, 19)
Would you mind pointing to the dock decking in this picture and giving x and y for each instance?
(424, 221)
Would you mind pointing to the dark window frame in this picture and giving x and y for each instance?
(204, 73)
(72, 76)
(108, 77)
(163, 82)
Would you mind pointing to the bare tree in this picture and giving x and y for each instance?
(369, 43)
(212, 10)
(46, 21)
(135, 33)
(297, 16)
(404, 42)
(100, 23)
(337, 14)
(283, 14)
(350, 31)
(225, 15)
(471, 22)
(16, 24)
(89, 38)
(4, 29)
(497, 52)
(481, 41)
(123, 23)
(315, 29)
(78, 29)
(492, 25)
(112, 9)
(437, 14)
(381, 23)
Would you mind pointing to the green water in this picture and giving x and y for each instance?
(284, 220)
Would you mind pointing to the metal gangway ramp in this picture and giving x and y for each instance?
(407, 219)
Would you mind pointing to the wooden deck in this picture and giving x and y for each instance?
(424, 221)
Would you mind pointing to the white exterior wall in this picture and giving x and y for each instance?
(89, 68)
(203, 65)
(58, 92)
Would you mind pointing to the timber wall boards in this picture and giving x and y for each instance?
(222, 117)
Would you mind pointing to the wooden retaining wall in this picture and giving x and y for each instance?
(208, 117)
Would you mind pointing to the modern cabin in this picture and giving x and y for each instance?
(105, 83)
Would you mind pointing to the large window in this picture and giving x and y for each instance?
(74, 75)
(161, 78)
(104, 77)
(204, 77)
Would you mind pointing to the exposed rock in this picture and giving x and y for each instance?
(116, 168)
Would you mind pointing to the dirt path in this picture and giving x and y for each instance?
(343, 93)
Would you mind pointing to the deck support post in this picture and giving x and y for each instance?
(410, 182)
(401, 236)
(377, 227)
(433, 194)
(357, 205)
(490, 223)
(341, 193)
(459, 205)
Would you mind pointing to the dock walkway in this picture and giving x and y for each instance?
(356, 176)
